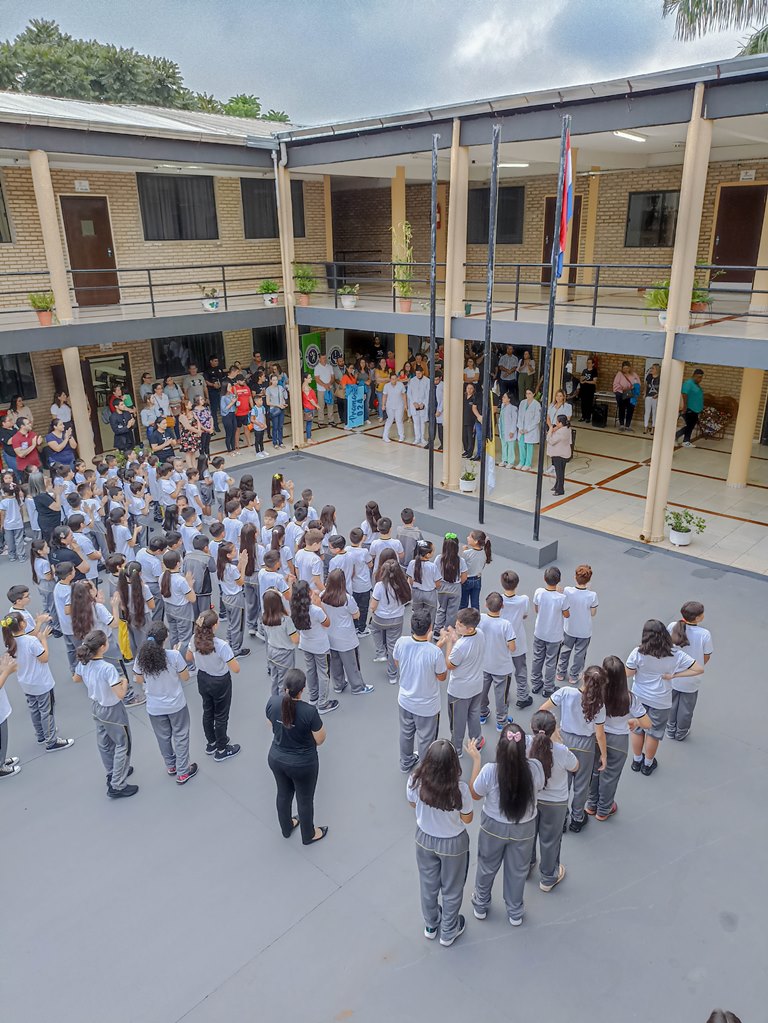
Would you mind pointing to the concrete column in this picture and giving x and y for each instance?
(328, 208)
(556, 374)
(562, 289)
(49, 224)
(287, 255)
(746, 422)
(86, 448)
(695, 165)
(456, 256)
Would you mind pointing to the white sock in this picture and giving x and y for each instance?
(637, 757)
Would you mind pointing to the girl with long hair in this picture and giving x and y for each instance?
(443, 805)
(230, 571)
(136, 603)
(391, 593)
(476, 554)
(424, 578)
(107, 690)
(653, 666)
(342, 611)
(162, 672)
(688, 634)
(190, 433)
(278, 544)
(622, 712)
(508, 821)
(215, 663)
(312, 624)
(282, 639)
(452, 569)
(249, 543)
(370, 524)
(582, 727)
(178, 600)
(557, 762)
(88, 613)
(328, 523)
(297, 731)
(280, 485)
(42, 577)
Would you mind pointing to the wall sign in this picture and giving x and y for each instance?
(747, 175)
(82, 185)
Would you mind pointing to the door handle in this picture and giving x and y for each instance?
(109, 253)
(717, 239)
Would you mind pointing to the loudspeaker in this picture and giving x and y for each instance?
(600, 415)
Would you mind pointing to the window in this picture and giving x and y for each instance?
(651, 219)
(509, 216)
(16, 377)
(260, 208)
(269, 342)
(177, 208)
(173, 355)
(5, 226)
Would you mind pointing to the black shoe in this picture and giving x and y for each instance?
(323, 833)
(537, 691)
(109, 776)
(647, 769)
(123, 793)
(244, 652)
(522, 704)
(210, 748)
(329, 707)
(56, 634)
(577, 825)
(226, 753)
(637, 765)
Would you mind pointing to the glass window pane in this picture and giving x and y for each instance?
(5, 227)
(173, 355)
(177, 208)
(651, 219)
(297, 204)
(16, 377)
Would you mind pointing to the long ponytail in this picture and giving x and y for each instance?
(171, 560)
(542, 729)
(689, 612)
(513, 773)
(294, 682)
(13, 624)
(483, 541)
(34, 553)
(449, 559)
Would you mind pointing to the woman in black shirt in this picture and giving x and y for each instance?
(47, 501)
(587, 388)
(297, 731)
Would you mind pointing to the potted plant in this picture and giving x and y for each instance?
(349, 295)
(682, 525)
(467, 482)
(657, 297)
(43, 303)
(402, 265)
(306, 282)
(269, 289)
(210, 301)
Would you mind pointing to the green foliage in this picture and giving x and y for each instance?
(269, 288)
(41, 301)
(402, 259)
(756, 43)
(350, 289)
(657, 296)
(684, 521)
(207, 103)
(208, 293)
(698, 17)
(469, 476)
(305, 279)
(243, 105)
(276, 115)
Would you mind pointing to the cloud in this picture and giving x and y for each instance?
(505, 36)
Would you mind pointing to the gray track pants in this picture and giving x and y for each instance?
(113, 737)
(544, 665)
(464, 716)
(345, 670)
(43, 721)
(520, 662)
(318, 681)
(447, 609)
(172, 734)
(550, 818)
(681, 714)
(577, 646)
(603, 784)
(509, 845)
(443, 865)
(279, 661)
(500, 685)
(252, 603)
(386, 633)
(423, 728)
(426, 599)
(584, 748)
(235, 605)
(180, 623)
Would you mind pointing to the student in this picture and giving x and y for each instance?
(29, 650)
(307, 496)
(271, 577)
(312, 624)
(42, 577)
(250, 504)
(251, 588)
(551, 607)
(577, 628)
(216, 530)
(197, 563)
(11, 522)
(62, 597)
(424, 578)
(309, 566)
(370, 524)
(384, 542)
(360, 584)
(151, 560)
(233, 523)
(552, 802)
(418, 402)
(688, 634)
(189, 528)
(162, 672)
(91, 554)
(443, 806)
(391, 593)
(135, 603)
(508, 432)
(230, 571)
(476, 554)
(222, 481)
(408, 534)
(421, 667)
(509, 789)
(297, 731)
(19, 597)
(107, 688)
(515, 608)
(257, 420)
(463, 649)
(653, 666)
(297, 527)
(328, 523)
(342, 612)
(282, 639)
(498, 664)
(215, 663)
(340, 560)
(178, 600)
(582, 728)
(393, 405)
(452, 569)
(284, 553)
(622, 712)
(270, 521)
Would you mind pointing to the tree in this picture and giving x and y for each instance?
(276, 115)
(243, 105)
(697, 17)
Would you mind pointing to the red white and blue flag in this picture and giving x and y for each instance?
(566, 211)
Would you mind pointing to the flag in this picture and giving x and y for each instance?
(490, 455)
(566, 211)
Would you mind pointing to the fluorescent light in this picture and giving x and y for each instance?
(631, 135)
(520, 164)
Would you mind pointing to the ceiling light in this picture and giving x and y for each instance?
(631, 135)
(519, 164)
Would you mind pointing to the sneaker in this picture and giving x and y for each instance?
(483, 718)
(550, 471)
(515, 921)
(362, 692)
(522, 704)
(430, 933)
(558, 879)
(109, 776)
(210, 749)
(647, 769)
(636, 765)
(243, 651)
(182, 779)
(134, 700)
(591, 810)
(329, 707)
(41, 740)
(449, 941)
(227, 753)
(687, 444)
(11, 762)
(611, 812)
(480, 914)
(407, 770)
(340, 689)
(392, 680)
(365, 632)
(56, 633)
(379, 660)
(123, 793)
(59, 744)
(576, 826)
(252, 632)
(6, 772)
(171, 771)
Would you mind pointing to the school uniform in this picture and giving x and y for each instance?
(169, 714)
(419, 663)
(92, 506)
(344, 642)
(45, 585)
(138, 633)
(281, 652)
(29, 621)
(62, 596)
(653, 691)
(188, 534)
(425, 592)
(360, 584)
(409, 536)
(199, 564)
(465, 688)
(448, 597)
(179, 612)
(470, 588)
(497, 666)
(113, 733)
(13, 525)
(293, 533)
(214, 683)
(442, 856)
(253, 595)
(233, 596)
(578, 735)
(34, 521)
(515, 610)
(151, 570)
(551, 811)
(382, 544)
(88, 547)
(343, 563)
(603, 786)
(577, 632)
(308, 565)
(232, 530)
(547, 638)
(685, 691)
(221, 481)
(387, 627)
(36, 682)
(504, 843)
(314, 645)
(5, 712)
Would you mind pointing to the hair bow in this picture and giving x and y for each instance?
(514, 736)
(7, 622)
(451, 536)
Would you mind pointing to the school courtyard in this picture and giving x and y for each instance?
(187, 904)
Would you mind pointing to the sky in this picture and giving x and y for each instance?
(330, 60)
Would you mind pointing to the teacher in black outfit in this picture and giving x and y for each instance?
(297, 731)
(587, 388)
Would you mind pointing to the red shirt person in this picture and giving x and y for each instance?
(25, 443)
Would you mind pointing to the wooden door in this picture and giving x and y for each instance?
(737, 231)
(549, 234)
(89, 240)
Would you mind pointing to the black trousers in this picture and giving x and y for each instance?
(587, 397)
(625, 407)
(691, 419)
(559, 463)
(299, 780)
(468, 439)
(258, 440)
(363, 600)
(216, 694)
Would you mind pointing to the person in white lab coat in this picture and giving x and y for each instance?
(418, 404)
(528, 429)
(393, 403)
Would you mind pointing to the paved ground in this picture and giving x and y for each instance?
(187, 904)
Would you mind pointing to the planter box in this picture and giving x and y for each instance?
(467, 486)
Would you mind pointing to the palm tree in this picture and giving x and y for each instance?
(697, 17)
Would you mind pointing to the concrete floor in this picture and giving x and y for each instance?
(187, 904)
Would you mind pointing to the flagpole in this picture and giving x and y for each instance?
(550, 326)
(432, 404)
(486, 377)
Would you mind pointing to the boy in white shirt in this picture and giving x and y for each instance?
(362, 583)
(515, 608)
(690, 636)
(222, 481)
(551, 607)
(582, 607)
(497, 660)
(421, 667)
(12, 523)
(233, 525)
(340, 559)
(383, 542)
(463, 649)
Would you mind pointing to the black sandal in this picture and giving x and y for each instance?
(323, 833)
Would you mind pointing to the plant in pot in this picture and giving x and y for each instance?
(467, 482)
(349, 295)
(270, 290)
(306, 282)
(43, 303)
(210, 298)
(682, 525)
(657, 297)
(402, 265)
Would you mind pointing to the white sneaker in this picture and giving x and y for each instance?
(386, 440)
(379, 660)
(687, 444)
(550, 471)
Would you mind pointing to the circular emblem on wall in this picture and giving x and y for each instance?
(335, 353)
(312, 355)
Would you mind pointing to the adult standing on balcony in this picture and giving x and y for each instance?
(243, 407)
(228, 404)
(508, 364)
(393, 404)
(7, 430)
(624, 384)
(19, 410)
(472, 421)
(213, 377)
(190, 433)
(277, 399)
(174, 395)
(145, 387)
(203, 415)
(193, 384)
(381, 376)
(122, 423)
(692, 405)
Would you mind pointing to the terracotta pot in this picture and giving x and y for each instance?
(699, 307)
(302, 299)
(45, 316)
(404, 304)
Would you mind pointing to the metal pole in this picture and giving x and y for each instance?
(487, 405)
(432, 405)
(550, 327)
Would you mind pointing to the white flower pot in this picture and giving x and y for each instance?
(467, 486)
(663, 317)
(270, 298)
(210, 304)
(348, 301)
(680, 539)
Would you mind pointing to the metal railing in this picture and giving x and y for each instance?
(364, 273)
